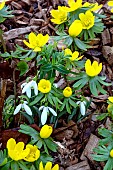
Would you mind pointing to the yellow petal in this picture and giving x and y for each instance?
(2, 4)
(48, 166)
(36, 49)
(27, 44)
(68, 51)
(56, 167)
(76, 28)
(11, 144)
(110, 99)
(112, 10)
(41, 166)
(32, 39)
(42, 40)
(110, 3)
(19, 146)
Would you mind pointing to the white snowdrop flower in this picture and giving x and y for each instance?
(82, 105)
(45, 111)
(23, 106)
(26, 88)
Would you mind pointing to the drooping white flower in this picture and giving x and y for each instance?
(26, 88)
(45, 112)
(82, 105)
(23, 106)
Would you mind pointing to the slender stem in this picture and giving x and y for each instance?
(14, 82)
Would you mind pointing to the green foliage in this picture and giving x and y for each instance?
(46, 144)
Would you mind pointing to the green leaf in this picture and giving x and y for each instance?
(46, 67)
(39, 143)
(28, 130)
(61, 69)
(104, 83)
(100, 88)
(22, 165)
(51, 145)
(37, 99)
(102, 116)
(72, 103)
(92, 86)
(32, 167)
(23, 67)
(80, 44)
(45, 148)
(14, 165)
(68, 107)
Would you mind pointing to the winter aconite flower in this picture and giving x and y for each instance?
(110, 99)
(2, 4)
(59, 16)
(45, 112)
(111, 153)
(34, 153)
(24, 106)
(110, 3)
(75, 28)
(26, 88)
(36, 42)
(46, 131)
(93, 7)
(73, 5)
(74, 56)
(16, 151)
(67, 92)
(94, 69)
(44, 86)
(48, 166)
(87, 19)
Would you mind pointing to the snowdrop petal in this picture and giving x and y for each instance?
(52, 111)
(82, 108)
(25, 102)
(28, 92)
(41, 107)
(44, 115)
(17, 109)
(84, 102)
(78, 102)
(23, 85)
(34, 84)
(27, 109)
(25, 88)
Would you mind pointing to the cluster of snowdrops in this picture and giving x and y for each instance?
(76, 24)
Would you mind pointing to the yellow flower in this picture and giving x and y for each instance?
(74, 56)
(110, 3)
(87, 19)
(110, 99)
(94, 69)
(36, 42)
(44, 86)
(59, 16)
(67, 92)
(75, 28)
(48, 166)
(94, 6)
(34, 153)
(109, 108)
(111, 153)
(16, 151)
(73, 5)
(2, 4)
(46, 131)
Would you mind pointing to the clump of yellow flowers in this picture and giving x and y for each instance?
(36, 42)
(93, 69)
(17, 152)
